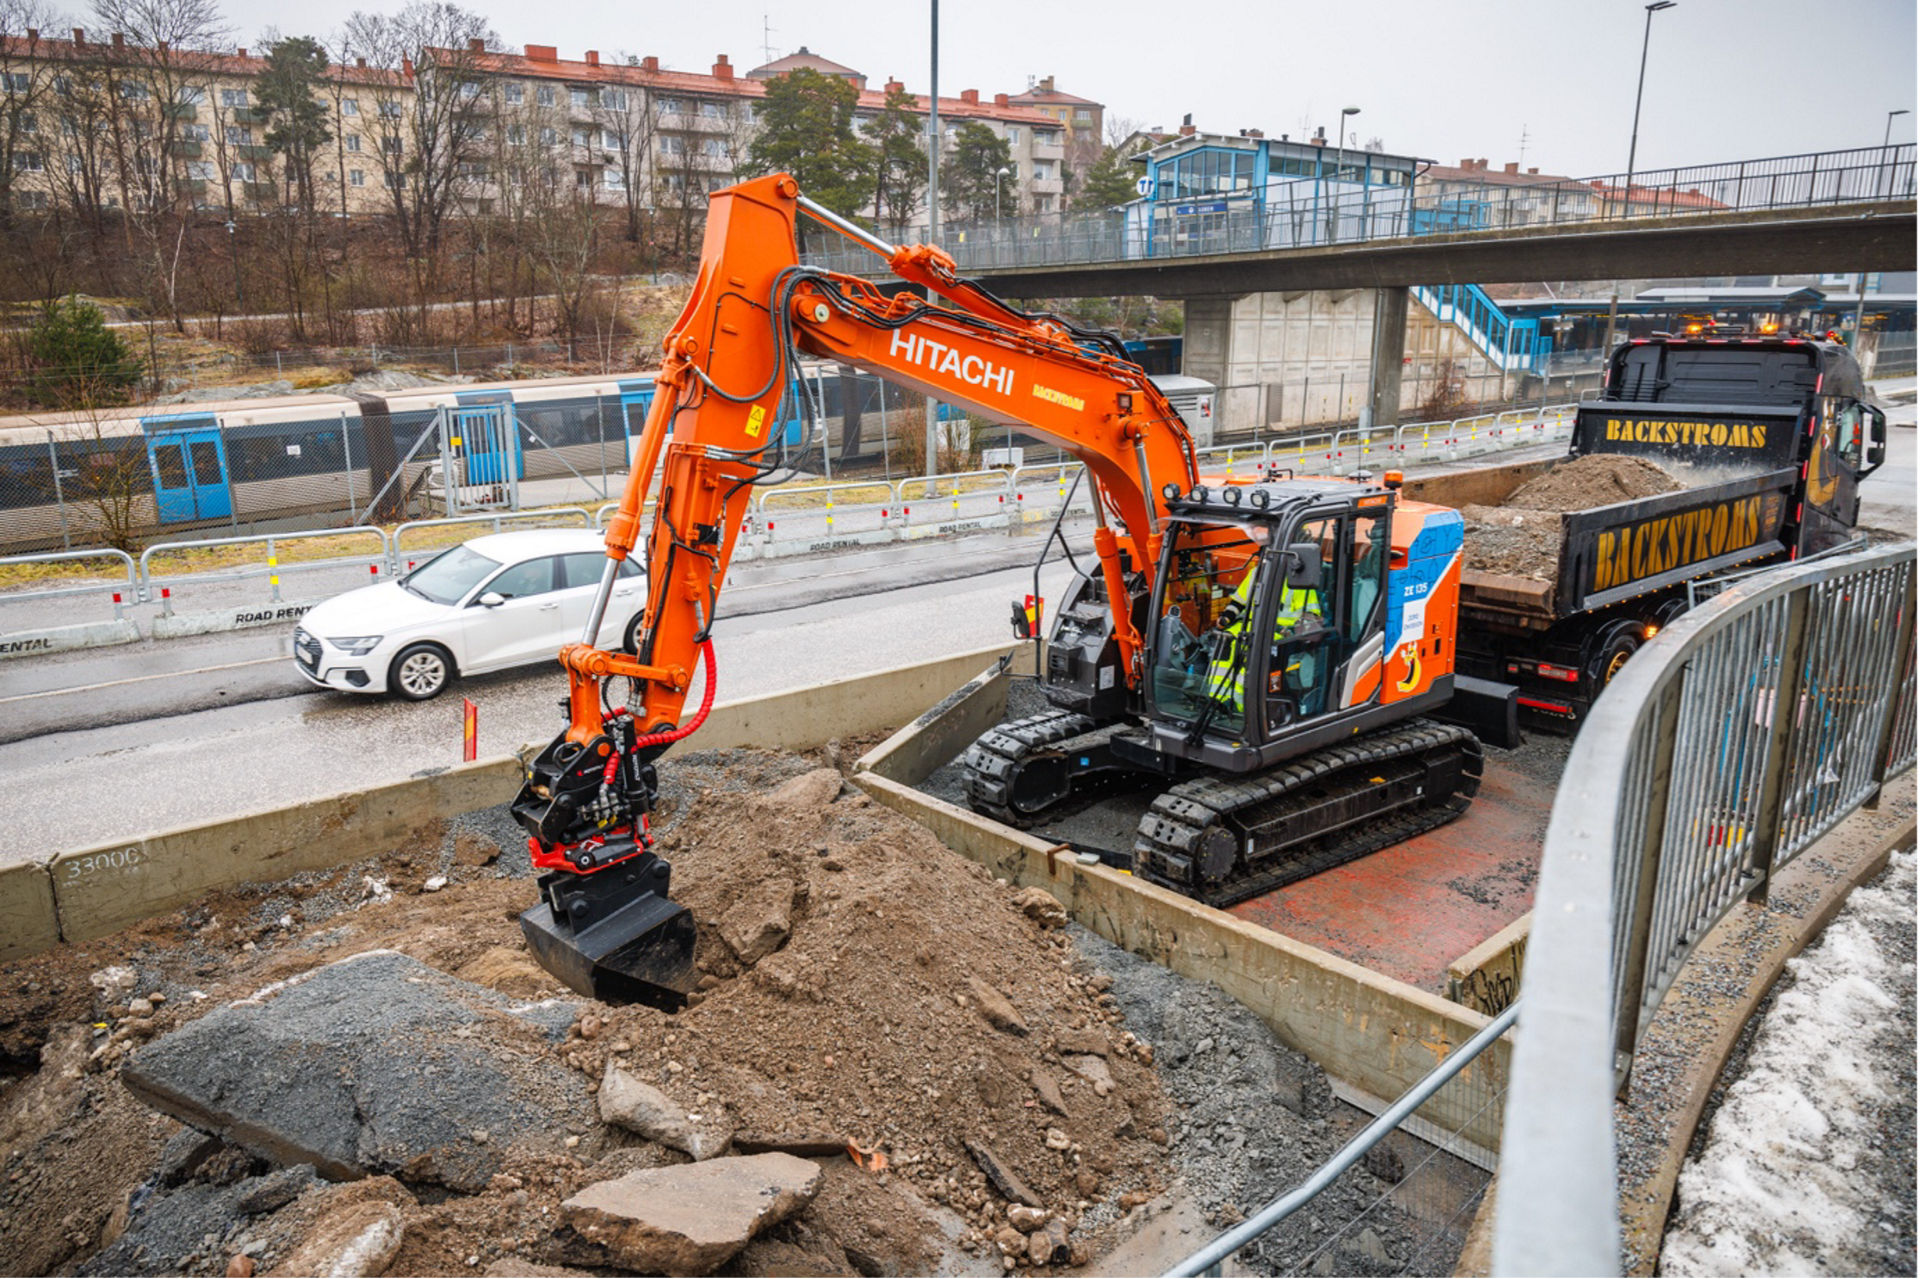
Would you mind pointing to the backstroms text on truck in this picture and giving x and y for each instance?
(1765, 441)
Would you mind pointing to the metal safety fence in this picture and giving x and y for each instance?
(213, 565)
(1337, 208)
(1737, 738)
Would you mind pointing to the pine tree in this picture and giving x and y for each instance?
(1108, 182)
(77, 359)
(900, 159)
(977, 158)
(287, 94)
(806, 129)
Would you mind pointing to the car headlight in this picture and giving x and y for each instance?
(357, 645)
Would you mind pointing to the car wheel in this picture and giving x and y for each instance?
(630, 643)
(420, 671)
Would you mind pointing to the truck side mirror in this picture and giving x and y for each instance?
(1876, 439)
(1303, 566)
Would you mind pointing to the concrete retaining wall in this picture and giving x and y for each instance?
(1487, 978)
(94, 891)
(1373, 1033)
(59, 639)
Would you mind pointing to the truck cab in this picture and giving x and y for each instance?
(1739, 404)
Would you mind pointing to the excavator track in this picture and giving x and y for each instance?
(1223, 839)
(1017, 772)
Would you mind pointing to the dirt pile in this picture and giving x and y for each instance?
(1598, 479)
(1521, 537)
(863, 985)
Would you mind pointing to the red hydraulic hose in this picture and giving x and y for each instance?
(706, 705)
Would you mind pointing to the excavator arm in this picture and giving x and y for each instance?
(605, 924)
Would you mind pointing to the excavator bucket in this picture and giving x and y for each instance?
(615, 936)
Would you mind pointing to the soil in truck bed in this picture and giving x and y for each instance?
(1521, 536)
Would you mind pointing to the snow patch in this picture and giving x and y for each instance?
(1778, 1189)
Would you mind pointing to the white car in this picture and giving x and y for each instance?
(504, 600)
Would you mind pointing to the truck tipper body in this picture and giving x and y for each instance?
(1769, 438)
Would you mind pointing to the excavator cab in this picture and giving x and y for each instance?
(1269, 617)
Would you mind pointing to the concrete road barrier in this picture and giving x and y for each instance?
(28, 922)
(95, 891)
(55, 639)
(1487, 978)
(230, 619)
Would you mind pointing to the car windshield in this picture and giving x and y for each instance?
(446, 578)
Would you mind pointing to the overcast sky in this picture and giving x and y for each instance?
(1440, 79)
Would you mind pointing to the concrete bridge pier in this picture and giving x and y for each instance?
(1389, 354)
(1304, 357)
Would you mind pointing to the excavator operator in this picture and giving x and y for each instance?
(1228, 665)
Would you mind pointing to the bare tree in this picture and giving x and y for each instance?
(626, 120)
(429, 137)
(26, 131)
(82, 167)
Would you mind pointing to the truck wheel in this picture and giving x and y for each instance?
(419, 672)
(1612, 658)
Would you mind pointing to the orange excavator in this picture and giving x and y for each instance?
(1260, 651)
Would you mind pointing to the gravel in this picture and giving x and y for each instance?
(1253, 1120)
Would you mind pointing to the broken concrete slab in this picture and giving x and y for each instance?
(639, 1107)
(1087, 1040)
(181, 1230)
(1048, 1090)
(360, 1239)
(374, 1064)
(691, 1218)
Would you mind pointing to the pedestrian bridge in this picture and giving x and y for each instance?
(1824, 211)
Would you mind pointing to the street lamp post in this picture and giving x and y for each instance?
(933, 219)
(1633, 144)
(1000, 173)
(1886, 137)
(1339, 162)
(233, 255)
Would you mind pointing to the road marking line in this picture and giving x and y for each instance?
(136, 679)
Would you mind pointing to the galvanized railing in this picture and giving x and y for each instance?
(1308, 214)
(1729, 745)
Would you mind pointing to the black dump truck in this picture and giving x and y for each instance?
(1768, 437)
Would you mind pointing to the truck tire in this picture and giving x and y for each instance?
(1612, 657)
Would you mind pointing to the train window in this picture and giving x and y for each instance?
(25, 480)
(206, 464)
(172, 466)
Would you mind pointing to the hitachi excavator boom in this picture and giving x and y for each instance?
(1258, 644)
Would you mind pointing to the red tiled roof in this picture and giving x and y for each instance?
(1664, 197)
(205, 61)
(1482, 173)
(1051, 97)
(693, 83)
(802, 60)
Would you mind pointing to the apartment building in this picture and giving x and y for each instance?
(89, 125)
(92, 125)
(636, 131)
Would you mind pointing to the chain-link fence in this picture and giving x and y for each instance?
(127, 477)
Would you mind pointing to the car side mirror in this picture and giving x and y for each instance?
(492, 599)
(1303, 566)
(1876, 438)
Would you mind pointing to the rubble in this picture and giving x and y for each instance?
(373, 1064)
(641, 1108)
(362, 1239)
(689, 1219)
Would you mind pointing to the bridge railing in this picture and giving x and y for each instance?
(1740, 735)
(1307, 212)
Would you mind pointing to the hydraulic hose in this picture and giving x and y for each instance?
(706, 704)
